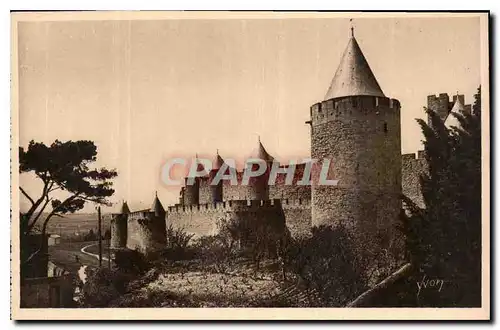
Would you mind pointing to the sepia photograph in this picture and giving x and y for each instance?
(250, 165)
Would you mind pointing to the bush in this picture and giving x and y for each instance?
(327, 263)
(90, 236)
(177, 238)
(215, 252)
(102, 286)
(131, 261)
(177, 242)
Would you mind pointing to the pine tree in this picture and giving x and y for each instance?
(445, 238)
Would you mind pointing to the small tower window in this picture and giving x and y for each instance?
(385, 127)
(354, 102)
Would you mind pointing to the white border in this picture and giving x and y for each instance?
(235, 313)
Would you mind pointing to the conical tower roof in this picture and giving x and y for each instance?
(451, 120)
(199, 167)
(261, 153)
(353, 76)
(124, 209)
(157, 208)
(218, 162)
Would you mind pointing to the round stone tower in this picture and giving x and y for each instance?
(192, 190)
(358, 129)
(258, 187)
(216, 189)
(119, 228)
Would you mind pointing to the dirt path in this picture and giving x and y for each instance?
(83, 250)
(69, 256)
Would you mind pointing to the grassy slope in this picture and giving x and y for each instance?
(190, 286)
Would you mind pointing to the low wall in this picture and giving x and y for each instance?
(201, 220)
(48, 292)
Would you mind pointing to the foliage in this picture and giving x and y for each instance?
(65, 167)
(327, 263)
(131, 262)
(255, 238)
(177, 238)
(90, 236)
(177, 241)
(444, 239)
(215, 252)
(102, 286)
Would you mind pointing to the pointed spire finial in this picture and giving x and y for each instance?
(353, 76)
(217, 151)
(258, 137)
(156, 193)
(352, 28)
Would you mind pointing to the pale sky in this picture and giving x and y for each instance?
(145, 91)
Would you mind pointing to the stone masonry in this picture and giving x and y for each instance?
(357, 127)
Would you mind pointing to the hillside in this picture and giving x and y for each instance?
(76, 224)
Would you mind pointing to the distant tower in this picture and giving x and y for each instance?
(216, 190)
(258, 187)
(147, 229)
(192, 191)
(119, 227)
(443, 107)
(156, 208)
(358, 128)
(439, 104)
(458, 108)
(159, 225)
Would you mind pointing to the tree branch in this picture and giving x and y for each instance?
(27, 196)
(53, 189)
(32, 255)
(32, 224)
(33, 207)
(44, 227)
(55, 210)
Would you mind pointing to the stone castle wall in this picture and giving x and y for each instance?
(118, 231)
(235, 192)
(297, 216)
(292, 192)
(412, 168)
(203, 219)
(361, 136)
(209, 193)
(191, 193)
(440, 104)
(145, 232)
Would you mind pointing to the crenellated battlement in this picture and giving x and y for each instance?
(413, 157)
(233, 205)
(240, 205)
(295, 202)
(440, 96)
(346, 107)
(141, 215)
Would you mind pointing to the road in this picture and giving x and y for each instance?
(84, 250)
(69, 255)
